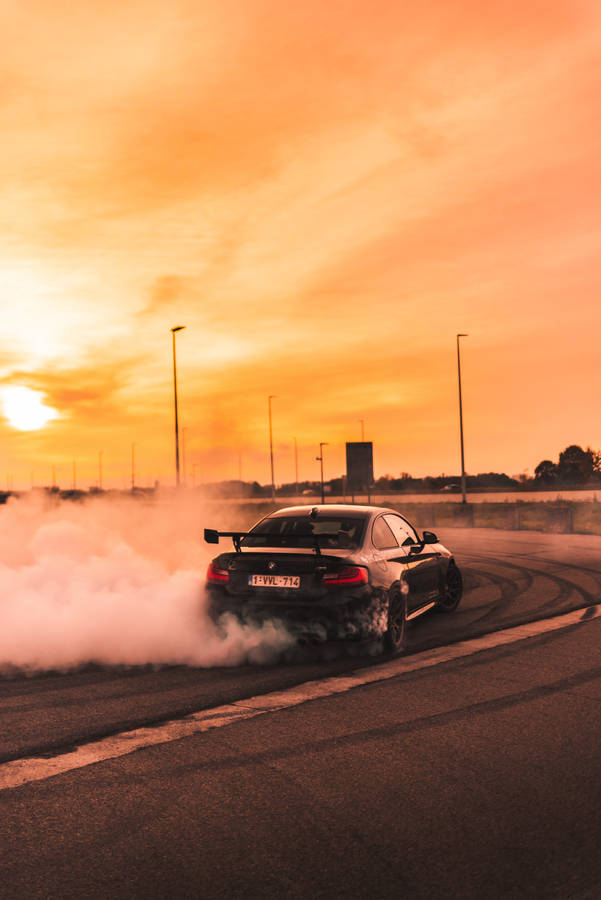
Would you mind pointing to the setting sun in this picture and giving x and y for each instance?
(25, 410)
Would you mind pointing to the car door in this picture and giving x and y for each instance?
(422, 561)
(384, 564)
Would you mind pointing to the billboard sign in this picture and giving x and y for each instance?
(359, 466)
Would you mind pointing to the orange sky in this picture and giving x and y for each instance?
(324, 194)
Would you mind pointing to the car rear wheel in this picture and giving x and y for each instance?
(396, 621)
(453, 590)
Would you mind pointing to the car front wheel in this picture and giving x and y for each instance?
(396, 621)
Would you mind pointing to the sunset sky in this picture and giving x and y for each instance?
(324, 194)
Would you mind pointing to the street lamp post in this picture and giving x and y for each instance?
(173, 330)
(463, 497)
(319, 458)
(269, 399)
(296, 464)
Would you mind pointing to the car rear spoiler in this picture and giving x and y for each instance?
(212, 536)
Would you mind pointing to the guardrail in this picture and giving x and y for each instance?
(557, 518)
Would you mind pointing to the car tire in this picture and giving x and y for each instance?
(396, 621)
(452, 591)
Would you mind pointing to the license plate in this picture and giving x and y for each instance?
(278, 581)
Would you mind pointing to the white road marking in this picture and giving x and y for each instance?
(22, 771)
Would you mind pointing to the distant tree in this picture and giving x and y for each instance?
(335, 485)
(492, 480)
(576, 465)
(546, 472)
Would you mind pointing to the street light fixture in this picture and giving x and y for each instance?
(319, 458)
(269, 399)
(463, 498)
(173, 330)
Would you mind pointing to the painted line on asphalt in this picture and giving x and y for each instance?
(23, 771)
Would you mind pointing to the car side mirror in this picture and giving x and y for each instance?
(430, 537)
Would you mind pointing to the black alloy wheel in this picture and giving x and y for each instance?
(453, 590)
(396, 624)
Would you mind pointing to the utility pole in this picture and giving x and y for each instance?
(269, 399)
(100, 470)
(322, 444)
(133, 466)
(173, 331)
(463, 487)
(296, 464)
(362, 421)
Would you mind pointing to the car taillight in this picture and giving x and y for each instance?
(215, 575)
(347, 575)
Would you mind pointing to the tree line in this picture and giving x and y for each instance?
(575, 466)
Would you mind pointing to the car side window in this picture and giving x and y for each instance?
(401, 529)
(381, 535)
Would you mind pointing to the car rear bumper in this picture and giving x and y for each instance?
(340, 618)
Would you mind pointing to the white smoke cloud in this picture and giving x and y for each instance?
(113, 582)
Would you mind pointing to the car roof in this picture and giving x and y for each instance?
(347, 509)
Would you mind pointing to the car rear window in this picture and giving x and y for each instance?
(331, 532)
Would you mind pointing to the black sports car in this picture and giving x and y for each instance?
(333, 572)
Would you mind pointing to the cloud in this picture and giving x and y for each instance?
(86, 393)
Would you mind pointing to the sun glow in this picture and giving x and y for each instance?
(25, 410)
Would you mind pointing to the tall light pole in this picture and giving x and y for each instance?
(296, 464)
(269, 399)
(463, 498)
(322, 444)
(173, 330)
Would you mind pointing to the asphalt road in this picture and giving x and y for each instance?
(510, 578)
(475, 778)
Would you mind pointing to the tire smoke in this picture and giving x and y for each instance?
(117, 582)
